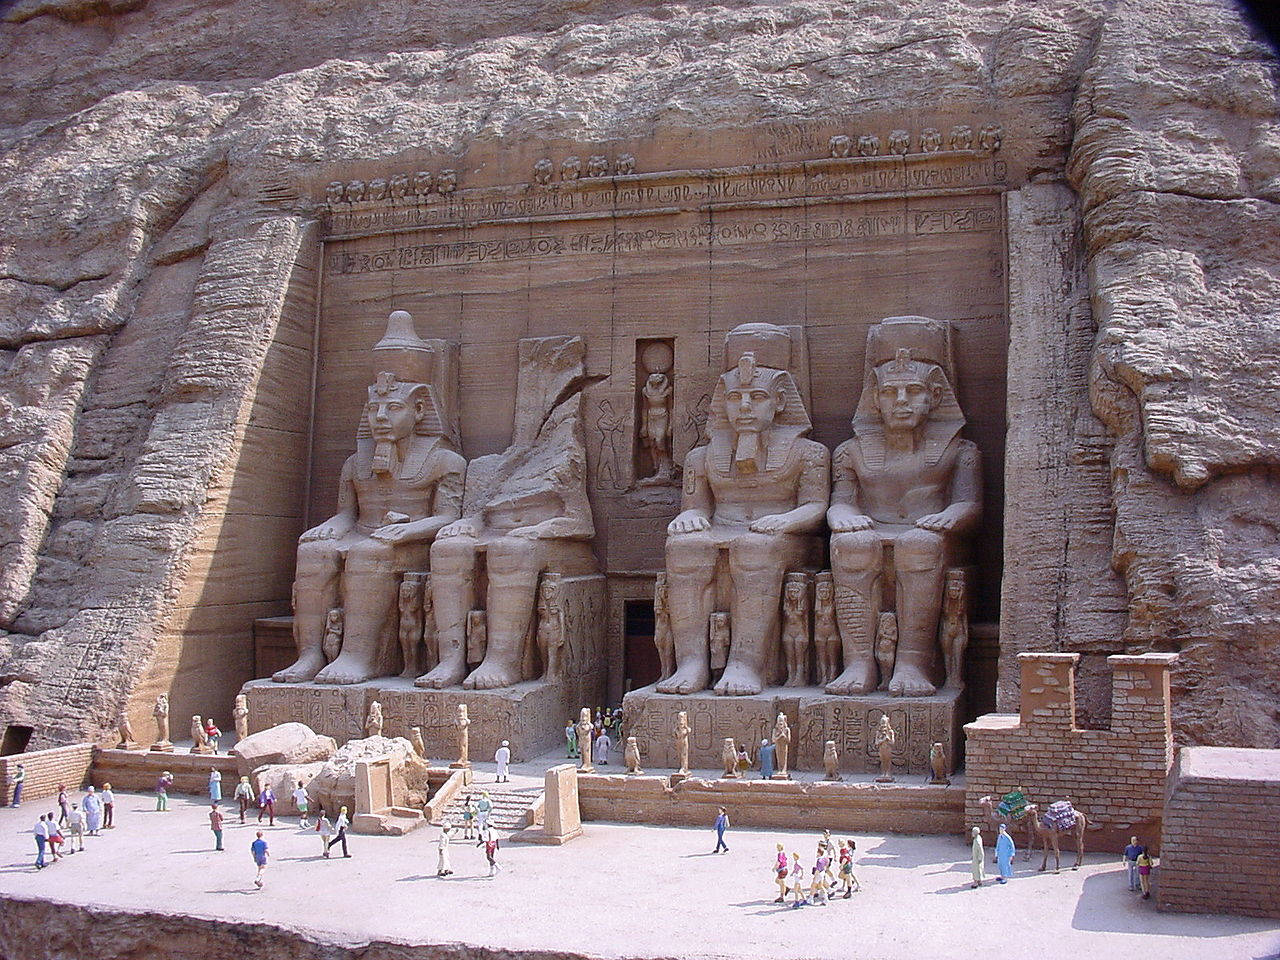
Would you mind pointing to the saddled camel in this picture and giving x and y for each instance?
(1053, 835)
(990, 805)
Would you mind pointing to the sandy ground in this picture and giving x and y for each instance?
(618, 891)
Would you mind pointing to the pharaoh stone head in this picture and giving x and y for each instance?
(907, 391)
(824, 589)
(794, 588)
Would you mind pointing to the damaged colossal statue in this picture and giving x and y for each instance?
(907, 491)
(756, 492)
(401, 486)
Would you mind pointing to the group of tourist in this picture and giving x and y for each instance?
(831, 873)
(91, 814)
(606, 730)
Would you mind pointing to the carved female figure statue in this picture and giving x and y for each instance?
(729, 756)
(955, 627)
(826, 636)
(681, 734)
(885, 739)
(240, 714)
(373, 723)
(331, 645)
(886, 646)
(795, 628)
(551, 630)
(461, 722)
(161, 714)
(199, 739)
(831, 761)
(782, 743)
(655, 427)
(662, 627)
(410, 627)
(584, 728)
(721, 639)
(631, 756)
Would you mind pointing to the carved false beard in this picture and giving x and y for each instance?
(748, 455)
(386, 458)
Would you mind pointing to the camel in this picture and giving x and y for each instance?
(1050, 834)
(989, 805)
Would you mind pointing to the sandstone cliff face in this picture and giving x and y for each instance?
(157, 275)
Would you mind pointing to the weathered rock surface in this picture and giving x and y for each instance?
(335, 784)
(283, 778)
(285, 743)
(157, 252)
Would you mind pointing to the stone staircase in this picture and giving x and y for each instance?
(512, 804)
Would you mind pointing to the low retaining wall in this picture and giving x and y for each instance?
(1221, 841)
(45, 770)
(781, 804)
(139, 769)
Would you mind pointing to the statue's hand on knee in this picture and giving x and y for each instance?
(845, 519)
(773, 523)
(392, 533)
(691, 521)
(459, 528)
(948, 519)
(325, 531)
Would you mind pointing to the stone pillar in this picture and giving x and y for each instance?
(561, 819)
(1140, 696)
(1049, 688)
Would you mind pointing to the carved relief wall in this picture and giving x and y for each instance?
(825, 232)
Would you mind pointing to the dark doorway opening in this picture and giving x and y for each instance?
(16, 738)
(641, 665)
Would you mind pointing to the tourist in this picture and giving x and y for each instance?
(62, 804)
(259, 850)
(570, 739)
(483, 808)
(300, 801)
(92, 806)
(978, 866)
(341, 826)
(108, 807)
(443, 868)
(19, 777)
(267, 804)
(1005, 851)
(491, 851)
(163, 784)
(722, 824)
(1130, 858)
(767, 751)
(41, 832)
(468, 818)
(325, 829)
(600, 749)
(797, 881)
(1145, 864)
(214, 734)
(215, 824)
(75, 823)
(846, 868)
(819, 889)
(56, 839)
(215, 785)
(744, 760)
(780, 871)
(244, 794)
(502, 757)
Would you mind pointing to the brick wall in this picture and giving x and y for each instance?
(1221, 842)
(45, 771)
(1116, 776)
(140, 769)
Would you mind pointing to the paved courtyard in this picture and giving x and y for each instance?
(619, 891)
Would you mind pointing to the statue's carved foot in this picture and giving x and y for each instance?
(309, 663)
(909, 681)
(409, 673)
(346, 669)
(449, 673)
(858, 677)
(688, 679)
(491, 674)
(739, 680)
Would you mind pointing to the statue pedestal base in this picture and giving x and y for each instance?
(814, 718)
(531, 715)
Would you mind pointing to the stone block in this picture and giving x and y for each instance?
(286, 743)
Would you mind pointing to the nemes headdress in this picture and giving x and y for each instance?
(903, 349)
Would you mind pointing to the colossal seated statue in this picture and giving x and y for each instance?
(400, 487)
(527, 514)
(907, 489)
(753, 498)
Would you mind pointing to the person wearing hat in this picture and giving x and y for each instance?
(502, 757)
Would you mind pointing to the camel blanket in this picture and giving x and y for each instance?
(1013, 806)
(1060, 816)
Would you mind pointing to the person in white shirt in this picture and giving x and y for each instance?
(75, 823)
(300, 800)
(502, 757)
(41, 832)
